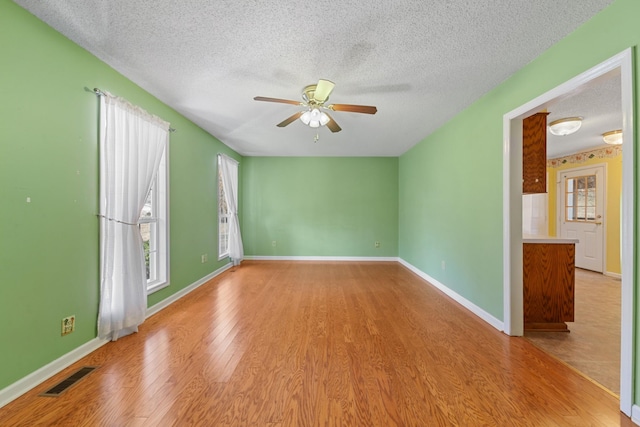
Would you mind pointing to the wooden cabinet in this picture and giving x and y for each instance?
(549, 285)
(534, 154)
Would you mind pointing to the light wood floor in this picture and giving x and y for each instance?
(308, 344)
(593, 344)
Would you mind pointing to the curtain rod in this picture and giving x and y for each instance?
(99, 92)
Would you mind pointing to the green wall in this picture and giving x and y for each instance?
(451, 208)
(49, 262)
(320, 206)
(451, 183)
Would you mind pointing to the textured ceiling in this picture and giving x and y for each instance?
(420, 62)
(600, 106)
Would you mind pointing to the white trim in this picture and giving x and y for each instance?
(161, 212)
(34, 379)
(628, 232)
(182, 292)
(512, 210)
(635, 414)
(225, 254)
(23, 385)
(491, 320)
(513, 313)
(614, 275)
(317, 258)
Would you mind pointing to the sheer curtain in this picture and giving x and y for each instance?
(229, 171)
(132, 142)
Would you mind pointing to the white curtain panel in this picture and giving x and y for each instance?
(132, 142)
(229, 170)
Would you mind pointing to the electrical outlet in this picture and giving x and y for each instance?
(376, 244)
(204, 258)
(68, 325)
(443, 265)
(274, 243)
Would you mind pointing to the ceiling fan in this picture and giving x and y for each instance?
(314, 98)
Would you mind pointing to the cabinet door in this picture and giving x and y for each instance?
(534, 154)
(548, 283)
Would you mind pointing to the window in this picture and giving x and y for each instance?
(580, 199)
(153, 226)
(223, 218)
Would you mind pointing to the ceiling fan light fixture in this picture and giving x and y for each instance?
(306, 117)
(315, 96)
(324, 119)
(566, 126)
(314, 118)
(613, 137)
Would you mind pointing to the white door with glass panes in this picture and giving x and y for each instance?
(581, 196)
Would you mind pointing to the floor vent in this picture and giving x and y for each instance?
(65, 384)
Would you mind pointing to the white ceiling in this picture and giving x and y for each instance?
(420, 62)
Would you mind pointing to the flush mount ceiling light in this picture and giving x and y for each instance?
(566, 126)
(613, 137)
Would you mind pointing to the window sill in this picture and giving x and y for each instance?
(156, 286)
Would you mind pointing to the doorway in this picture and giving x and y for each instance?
(512, 212)
(585, 188)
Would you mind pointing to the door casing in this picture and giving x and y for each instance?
(512, 211)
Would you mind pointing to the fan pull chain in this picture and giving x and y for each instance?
(317, 137)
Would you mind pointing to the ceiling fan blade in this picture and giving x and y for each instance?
(323, 90)
(366, 109)
(332, 125)
(290, 120)
(283, 101)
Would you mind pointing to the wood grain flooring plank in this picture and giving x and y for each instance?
(319, 343)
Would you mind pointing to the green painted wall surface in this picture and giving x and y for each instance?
(320, 206)
(49, 248)
(450, 209)
(451, 183)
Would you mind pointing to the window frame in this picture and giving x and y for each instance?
(159, 231)
(572, 199)
(222, 254)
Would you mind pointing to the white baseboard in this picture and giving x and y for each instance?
(175, 297)
(36, 378)
(614, 275)
(635, 414)
(496, 323)
(318, 258)
(23, 385)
